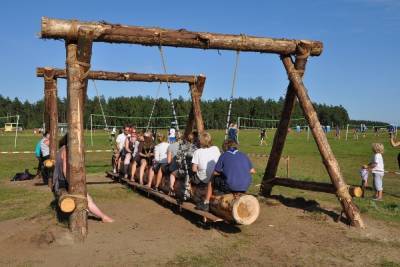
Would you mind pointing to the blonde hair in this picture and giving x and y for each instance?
(205, 140)
(161, 138)
(378, 148)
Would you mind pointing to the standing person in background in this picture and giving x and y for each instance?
(395, 143)
(45, 154)
(172, 134)
(233, 132)
(337, 132)
(263, 135)
(38, 155)
(378, 169)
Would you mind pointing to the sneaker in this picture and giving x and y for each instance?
(115, 171)
(377, 199)
(203, 206)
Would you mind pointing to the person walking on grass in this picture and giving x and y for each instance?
(395, 143)
(377, 168)
(263, 136)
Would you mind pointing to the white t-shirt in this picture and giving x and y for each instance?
(120, 141)
(205, 159)
(171, 132)
(380, 167)
(160, 152)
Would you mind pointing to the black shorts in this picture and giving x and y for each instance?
(173, 166)
(162, 166)
(219, 183)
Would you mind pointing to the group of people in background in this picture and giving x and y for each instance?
(192, 157)
(173, 156)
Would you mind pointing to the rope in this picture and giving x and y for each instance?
(169, 89)
(101, 106)
(185, 167)
(154, 105)
(110, 139)
(232, 93)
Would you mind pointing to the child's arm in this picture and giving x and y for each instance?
(393, 142)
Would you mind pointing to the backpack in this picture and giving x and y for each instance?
(38, 151)
(22, 176)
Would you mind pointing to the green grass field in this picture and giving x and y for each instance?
(305, 164)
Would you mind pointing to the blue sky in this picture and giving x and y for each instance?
(358, 68)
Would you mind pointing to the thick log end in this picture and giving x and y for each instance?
(355, 191)
(67, 204)
(246, 209)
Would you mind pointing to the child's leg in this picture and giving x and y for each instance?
(96, 211)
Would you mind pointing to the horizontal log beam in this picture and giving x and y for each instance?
(312, 186)
(127, 76)
(117, 33)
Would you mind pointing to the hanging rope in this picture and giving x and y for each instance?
(186, 194)
(228, 119)
(110, 138)
(154, 105)
(169, 89)
(101, 106)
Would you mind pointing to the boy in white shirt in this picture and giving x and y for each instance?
(203, 163)
(378, 169)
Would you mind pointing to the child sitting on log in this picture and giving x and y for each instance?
(160, 160)
(204, 160)
(146, 155)
(60, 181)
(232, 173)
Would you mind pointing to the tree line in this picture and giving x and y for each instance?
(214, 111)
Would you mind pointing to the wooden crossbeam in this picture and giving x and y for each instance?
(117, 33)
(127, 76)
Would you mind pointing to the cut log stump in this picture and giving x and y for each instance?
(241, 209)
(66, 202)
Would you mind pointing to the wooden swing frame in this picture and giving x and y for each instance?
(79, 37)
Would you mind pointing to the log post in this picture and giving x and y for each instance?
(190, 122)
(329, 160)
(195, 116)
(284, 122)
(51, 110)
(78, 64)
(51, 114)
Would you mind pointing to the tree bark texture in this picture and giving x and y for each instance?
(117, 33)
(312, 186)
(282, 129)
(329, 160)
(127, 76)
(195, 116)
(78, 62)
(51, 110)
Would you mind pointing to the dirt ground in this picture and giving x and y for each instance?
(147, 233)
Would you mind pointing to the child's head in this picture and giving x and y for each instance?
(364, 166)
(377, 148)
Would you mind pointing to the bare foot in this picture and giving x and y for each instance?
(107, 219)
